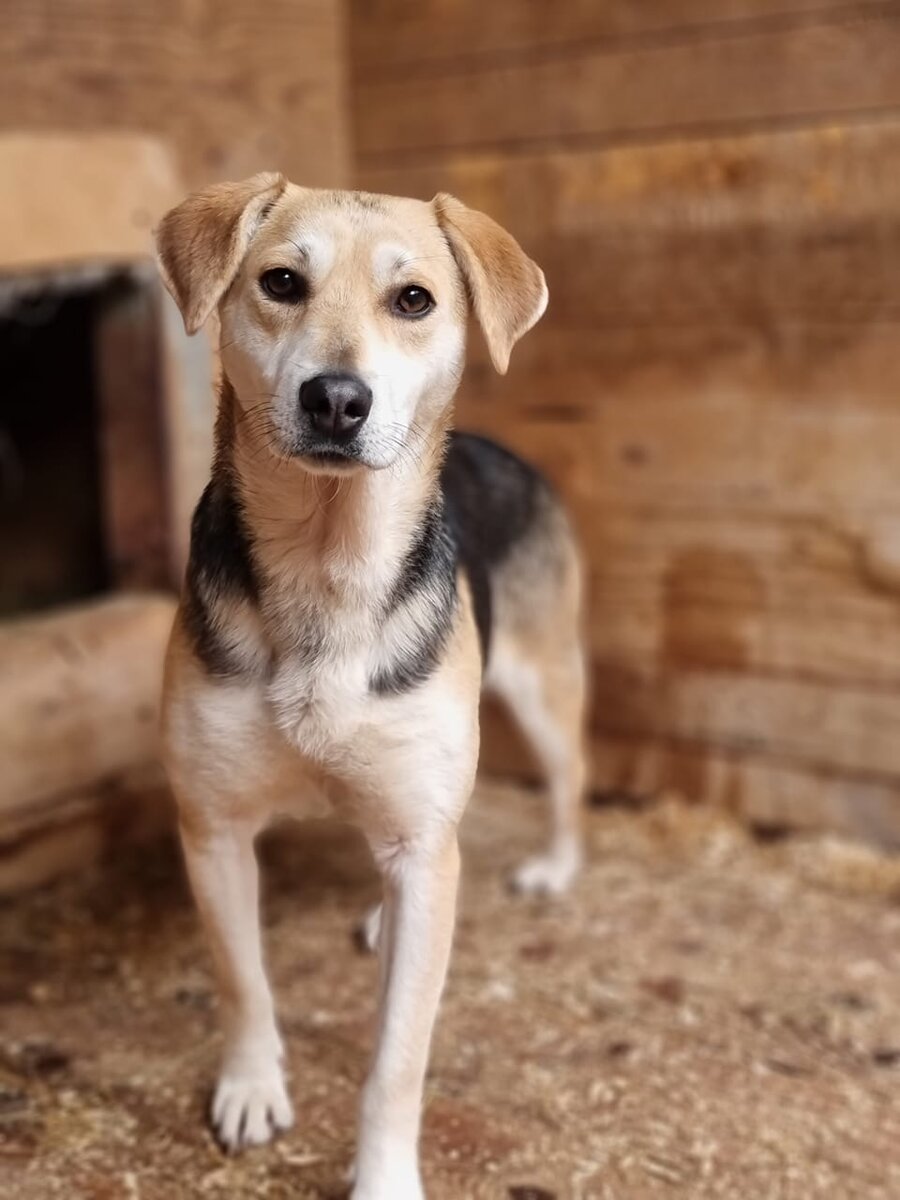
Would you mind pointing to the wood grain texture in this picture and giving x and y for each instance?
(754, 229)
(79, 696)
(771, 795)
(116, 185)
(825, 72)
(129, 360)
(234, 88)
(805, 176)
(75, 830)
(387, 34)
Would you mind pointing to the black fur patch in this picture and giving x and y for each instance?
(430, 567)
(489, 501)
(220, 567)
(492, 499)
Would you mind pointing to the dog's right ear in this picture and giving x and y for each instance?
(202, 241)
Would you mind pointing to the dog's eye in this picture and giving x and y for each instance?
(414, 301)
(285, 285)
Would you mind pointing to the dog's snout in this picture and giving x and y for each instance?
(337, 404)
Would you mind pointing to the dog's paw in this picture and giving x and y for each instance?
(248, 1109)
(546, 874)
(367, 933)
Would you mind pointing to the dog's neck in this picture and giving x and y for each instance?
(340, 539)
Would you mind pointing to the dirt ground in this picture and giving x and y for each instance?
(708, 1015)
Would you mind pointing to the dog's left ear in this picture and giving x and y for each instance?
(201, 242)
(507, 289)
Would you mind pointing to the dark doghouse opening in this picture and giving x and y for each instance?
(80, 372)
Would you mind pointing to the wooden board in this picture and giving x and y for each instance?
(79, 697)
(387, 34)
(234, 90)
(797, 178)
(785, 452)
(83, 827)
(751, 230)
(129, 361)
(114, 187)
(822, 73)
(799, 723)
(770, 795)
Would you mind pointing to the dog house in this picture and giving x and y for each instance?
(105, 409)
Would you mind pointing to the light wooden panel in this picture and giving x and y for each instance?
(235, 87)
(798, 225)
(827, 71)
(114, 185)
(387, 34)
(769, 793)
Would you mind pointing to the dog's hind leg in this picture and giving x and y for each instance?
(546, 697)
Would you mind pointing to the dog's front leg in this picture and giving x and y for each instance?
(250, 1100)
(417, 930)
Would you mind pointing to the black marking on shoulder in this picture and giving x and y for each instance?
(220, 567)
(428, 573)
(492, 499)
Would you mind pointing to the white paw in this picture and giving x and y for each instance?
(547, 874)
(368, 931)
(250, 1107)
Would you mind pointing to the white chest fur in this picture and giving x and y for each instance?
(319, 698)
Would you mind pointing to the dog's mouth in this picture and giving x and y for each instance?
(330, 458)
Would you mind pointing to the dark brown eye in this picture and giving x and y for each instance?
(282, 284)
(414, 301)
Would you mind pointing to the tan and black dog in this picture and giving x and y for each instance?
(357, 573)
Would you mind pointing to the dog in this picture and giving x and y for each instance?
(357, 572)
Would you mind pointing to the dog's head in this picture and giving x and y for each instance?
(343, 315)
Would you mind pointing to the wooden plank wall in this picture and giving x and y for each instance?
(713, 189)
(234, 86)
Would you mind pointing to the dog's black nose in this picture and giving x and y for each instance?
(338, 404)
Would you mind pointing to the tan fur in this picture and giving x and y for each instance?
(508, 290)
(537, 669)
(202, 241)
(282, 737)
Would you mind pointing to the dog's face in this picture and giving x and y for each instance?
(343, 315)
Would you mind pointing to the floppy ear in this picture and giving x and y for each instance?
(507, 289)
(200, 243)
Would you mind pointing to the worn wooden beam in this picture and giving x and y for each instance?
(129, 362)
(79, 696)
(74, 830)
